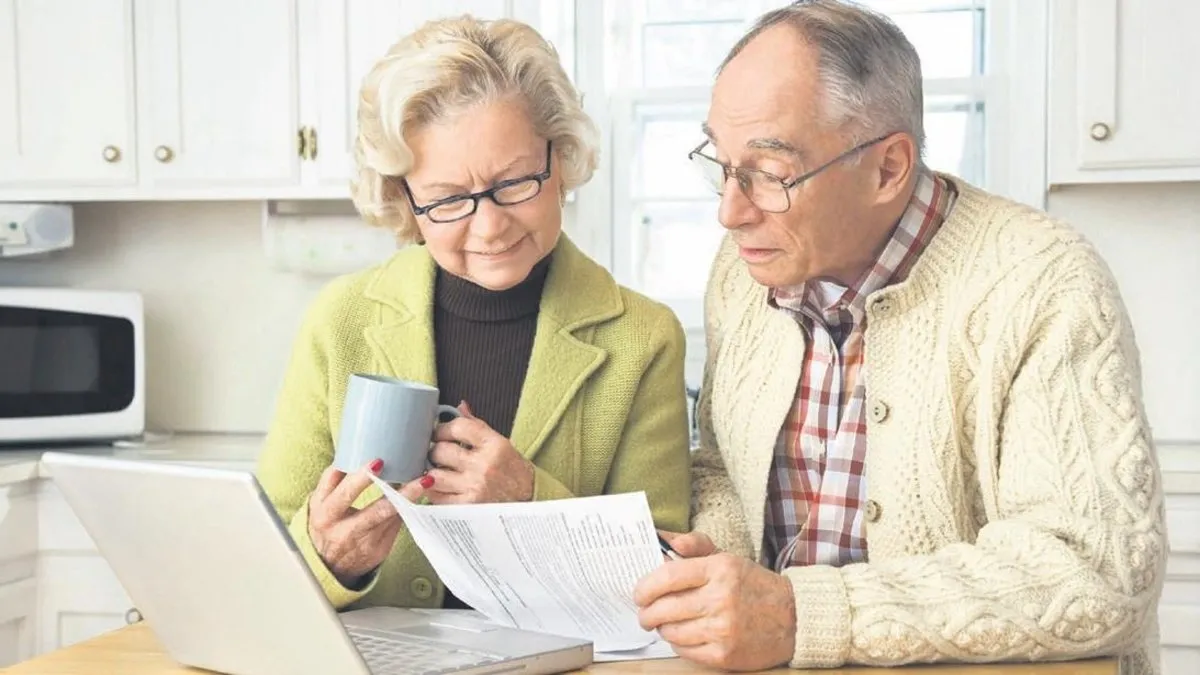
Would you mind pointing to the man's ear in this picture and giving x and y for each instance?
(898, 160)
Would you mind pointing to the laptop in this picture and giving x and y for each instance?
(208, 563)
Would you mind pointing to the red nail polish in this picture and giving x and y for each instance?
(375, 466)
(426, 481)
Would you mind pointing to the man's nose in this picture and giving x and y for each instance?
(736, 209)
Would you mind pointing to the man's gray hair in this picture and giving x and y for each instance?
(870, 72)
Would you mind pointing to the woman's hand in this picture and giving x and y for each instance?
(487, 470)
(352, 542)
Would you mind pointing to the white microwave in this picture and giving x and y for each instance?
(72, 366)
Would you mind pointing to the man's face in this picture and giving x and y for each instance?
(766, 114)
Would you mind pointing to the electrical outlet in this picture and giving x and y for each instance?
(12, 234)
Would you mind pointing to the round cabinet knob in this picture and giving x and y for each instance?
(111, 154)
(1100, 131)
(164, 154)
(133, 616)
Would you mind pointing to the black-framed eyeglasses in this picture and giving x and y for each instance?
(505, 193)
(765, 190)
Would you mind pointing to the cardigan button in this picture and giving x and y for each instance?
(879, 411)
(872, 511)
(422, 588)
(883, 306)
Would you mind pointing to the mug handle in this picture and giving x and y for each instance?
(441, 410)
(446, 410)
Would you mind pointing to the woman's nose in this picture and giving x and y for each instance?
(490, 220)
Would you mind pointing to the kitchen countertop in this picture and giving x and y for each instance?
(233, 450)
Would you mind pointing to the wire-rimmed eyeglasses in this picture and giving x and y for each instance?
(765, 190)
(505, 193)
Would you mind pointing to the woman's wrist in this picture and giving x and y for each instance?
(531, 479)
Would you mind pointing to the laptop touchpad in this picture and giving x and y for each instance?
(450, 627)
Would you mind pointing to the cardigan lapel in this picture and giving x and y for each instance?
(578, 295)
(768, 349)
(401, 339)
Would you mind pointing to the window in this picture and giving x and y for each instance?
(651, 64)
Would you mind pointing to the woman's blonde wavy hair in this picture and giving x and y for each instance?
(442, 69)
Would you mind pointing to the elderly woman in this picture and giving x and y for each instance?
(470, 136)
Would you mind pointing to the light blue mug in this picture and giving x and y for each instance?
(388, 419)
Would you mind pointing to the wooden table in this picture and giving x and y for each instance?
(134, 650)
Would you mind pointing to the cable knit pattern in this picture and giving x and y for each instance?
(1020, 501)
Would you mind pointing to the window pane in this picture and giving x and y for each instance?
(694, 10)
(674, 244)
(676, 55)
(945, 41)
(556, 22)
(954, 140)
(666, 133)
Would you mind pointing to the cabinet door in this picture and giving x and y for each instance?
(66, 93)
(18, 606)
(80, 599)
(344, 39)
(218, 93)
(1124, 98)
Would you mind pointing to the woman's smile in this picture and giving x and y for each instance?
(501, 252)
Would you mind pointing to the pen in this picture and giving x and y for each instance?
(666, 549)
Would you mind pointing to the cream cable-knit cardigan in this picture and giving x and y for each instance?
(1016, 487)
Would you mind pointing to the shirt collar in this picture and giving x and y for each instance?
(927, 209)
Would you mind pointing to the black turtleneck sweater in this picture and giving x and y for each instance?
(483, 341)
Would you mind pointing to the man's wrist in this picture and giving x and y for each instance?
(791, 621)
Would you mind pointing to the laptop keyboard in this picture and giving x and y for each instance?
(395, 655)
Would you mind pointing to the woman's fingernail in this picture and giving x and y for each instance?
(375, 466)
(426, 481)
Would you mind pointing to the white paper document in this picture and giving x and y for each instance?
(566, 567)
(655, 650)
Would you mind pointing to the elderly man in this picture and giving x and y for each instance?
(922, 434)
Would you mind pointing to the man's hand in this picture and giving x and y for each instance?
(690, 545)
(720, 610)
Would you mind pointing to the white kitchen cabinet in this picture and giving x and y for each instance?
(80, 598)
(18, 572)
(1179, 605)
(218, 94)
(1124, 100)
(79, 595)
(201, 99)
(342, 39)
(18, 608)
(67, 94)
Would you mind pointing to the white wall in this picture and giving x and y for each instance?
(220, 322)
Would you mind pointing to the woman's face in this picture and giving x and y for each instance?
(497, 246)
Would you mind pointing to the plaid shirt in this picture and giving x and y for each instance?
(816, 486)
